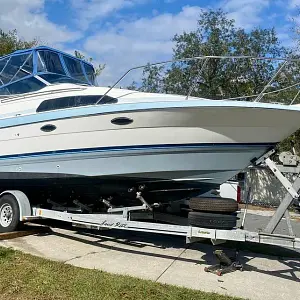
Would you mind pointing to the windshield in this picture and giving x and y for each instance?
(49, 61)
(90, 72)
(12, 70)
(77, 70)
(15, 67)
(27, 71)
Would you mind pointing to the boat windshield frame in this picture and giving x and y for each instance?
(44, 66)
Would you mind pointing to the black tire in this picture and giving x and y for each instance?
(9, 213)
(213, 221)
(213, 204)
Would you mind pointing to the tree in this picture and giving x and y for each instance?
(133, 86)
(285, 145)
(98, 70)
(152, 81)
(10, 42)
(217, 35)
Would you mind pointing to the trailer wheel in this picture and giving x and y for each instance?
(213, 204)
(9, 213)
(214, 221)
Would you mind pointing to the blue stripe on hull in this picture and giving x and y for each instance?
(201, 146)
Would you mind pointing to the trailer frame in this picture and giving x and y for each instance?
(191, 233)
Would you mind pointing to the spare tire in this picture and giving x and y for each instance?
(213, 221)
(213, 204)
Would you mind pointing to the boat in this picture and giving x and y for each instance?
(60, 132)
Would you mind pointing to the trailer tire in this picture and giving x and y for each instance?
(9, 213)
(213, 204)
(213, 221)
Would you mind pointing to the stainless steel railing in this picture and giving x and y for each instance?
(256, 97)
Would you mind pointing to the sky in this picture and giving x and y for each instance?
(127, 33)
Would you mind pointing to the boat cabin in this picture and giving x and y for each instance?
(30, 70)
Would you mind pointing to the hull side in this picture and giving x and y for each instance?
(198, 162)
(151, 127)
(203, 146)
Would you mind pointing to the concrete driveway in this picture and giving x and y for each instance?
(167, 259)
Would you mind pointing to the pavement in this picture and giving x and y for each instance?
(269, 272)
(257, 220)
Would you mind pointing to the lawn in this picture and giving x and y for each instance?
(28, 277)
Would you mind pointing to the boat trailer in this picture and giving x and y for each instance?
(144, 218)
(138, 218)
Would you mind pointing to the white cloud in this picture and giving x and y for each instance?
(246, 13)
(294, 3)
(31, 21)
(92, 10)
(138, 42)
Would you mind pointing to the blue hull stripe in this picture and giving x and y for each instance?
(143, 147)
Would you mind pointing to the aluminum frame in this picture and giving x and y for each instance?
(117, 221)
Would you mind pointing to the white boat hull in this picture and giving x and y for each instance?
(170, 162)
(195, 144)
(200, 143)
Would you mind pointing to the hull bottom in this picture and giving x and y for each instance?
(164, 173)
(90, 190)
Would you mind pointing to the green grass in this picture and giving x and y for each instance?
(28, 277)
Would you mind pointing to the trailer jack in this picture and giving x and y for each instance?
(225, 265)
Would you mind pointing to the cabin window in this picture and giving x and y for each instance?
(75, 101)
(49, 61)
(75, 69)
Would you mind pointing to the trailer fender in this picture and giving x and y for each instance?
(23, 202)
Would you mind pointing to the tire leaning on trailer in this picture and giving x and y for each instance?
(213, 204)
(9, 213)
(212, 221)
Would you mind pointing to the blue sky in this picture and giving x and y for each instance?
(124, 33)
